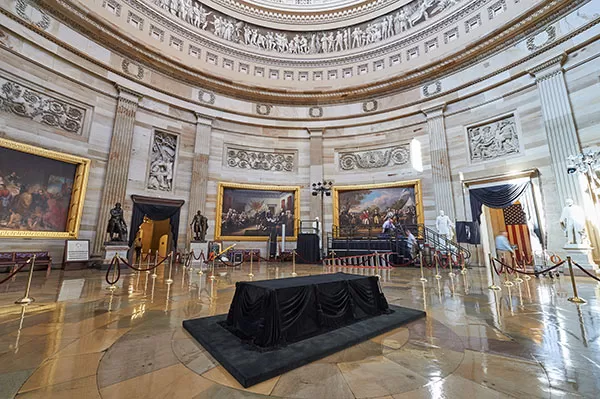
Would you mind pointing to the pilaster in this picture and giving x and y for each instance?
(440, 162)
(117, 168)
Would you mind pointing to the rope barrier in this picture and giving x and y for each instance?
(13, 273)
(114, 262)
(585, 271)
(143, 270)
(524, 272)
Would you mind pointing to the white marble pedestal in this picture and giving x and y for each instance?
(112, 248)
(198, 247)
(582, 255)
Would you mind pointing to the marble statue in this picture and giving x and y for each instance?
(383, 28)
(572, 221)
(117, 228)
(443, 224)
(199, 226)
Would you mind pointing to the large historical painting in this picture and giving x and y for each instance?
(251, 212)
(361, 210)
(41, 191)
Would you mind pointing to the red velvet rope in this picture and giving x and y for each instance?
(529, 273)
(142, 270)
(114, 262)
(585, 271)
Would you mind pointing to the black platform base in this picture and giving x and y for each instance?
(251, 367)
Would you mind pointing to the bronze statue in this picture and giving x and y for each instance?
(117, 228)
(199, 226)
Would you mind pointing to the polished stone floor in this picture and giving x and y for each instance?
(81, 340)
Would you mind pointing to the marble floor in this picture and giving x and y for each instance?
(81, 340)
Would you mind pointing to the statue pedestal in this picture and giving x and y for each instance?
(582, 255)
(198, 247)
(114, 247)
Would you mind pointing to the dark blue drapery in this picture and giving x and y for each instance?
(499, 196)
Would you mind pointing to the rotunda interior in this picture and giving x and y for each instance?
(245, 140)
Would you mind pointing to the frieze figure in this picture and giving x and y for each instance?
(117, 228)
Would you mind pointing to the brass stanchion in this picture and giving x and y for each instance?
(575, 298)
(294, 274)
(170, 280)
(154, 275)
(26, 298)
(422, 279)
(507, 282)
(466, 283)
(251, 263)
(463, 269)
(332, 260)
(112, 286)
(200, 272)
(152, 290)
(518, 279)
(436, 260)
(377, 265)
(493, 287)
(451, 274)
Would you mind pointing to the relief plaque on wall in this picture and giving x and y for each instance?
(163, 156)
(493, 139)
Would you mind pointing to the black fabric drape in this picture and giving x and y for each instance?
(308, 248)
(272, 313)
(154, 212)
(499, 196)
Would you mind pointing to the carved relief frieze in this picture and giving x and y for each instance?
(34, 16)
(395, 23)
(375, 158)
(206, 96)
(432, 89)
(315, 112)
(370, 106)
(263, 109)
(132, 68)
(163, 155)
(17, 99)
(493, 139)
(246, 158)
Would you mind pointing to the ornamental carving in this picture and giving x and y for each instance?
(432, 89)
(162, 161)
(539, 40)
(132, 68)
(493, 140)
(41, 108)
(358, 36)
(261, 160)
(42, 20)
(372, 159)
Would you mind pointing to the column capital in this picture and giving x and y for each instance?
(315, 132)
(434, 111)
(549, 67)
(128, 94)
(202, 119)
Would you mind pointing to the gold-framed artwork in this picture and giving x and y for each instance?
(41, 191)
(247, 212)
(362, 209)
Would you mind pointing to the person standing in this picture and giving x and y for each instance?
(504, 250)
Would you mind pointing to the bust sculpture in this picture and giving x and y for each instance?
(443, 224)
(199, 226)
(572, 221)
(117, 228)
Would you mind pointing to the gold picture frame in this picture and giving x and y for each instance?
(74, 209)
(224, 234)
(414, 184)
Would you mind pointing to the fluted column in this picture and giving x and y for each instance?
(117, 168)
(199, 185)
(440, 163)
(559, 125)
(317, 208)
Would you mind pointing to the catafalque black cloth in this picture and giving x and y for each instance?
(272, 313)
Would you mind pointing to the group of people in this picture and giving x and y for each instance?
(374, 218)
(233, 221)
(34, 206)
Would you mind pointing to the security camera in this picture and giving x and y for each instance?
(571, 169)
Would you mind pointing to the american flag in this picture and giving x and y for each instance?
(516, 227)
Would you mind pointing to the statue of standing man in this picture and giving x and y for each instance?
(117, 228)
(572, 221)
(199, 226)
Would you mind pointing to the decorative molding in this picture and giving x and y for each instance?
(493, 139)
(495, 6)
(20, 100)
(542, 38)
(21, 9)
(163, 155)
(113, 3)
(370, 106)
(432, 89)
(548, 68)
(315, 112)
(263, 109)
(132, 68)
(376, 158)
(276, 160)
(206, 97)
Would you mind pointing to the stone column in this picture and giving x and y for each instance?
(440, 163)
(317, 208)
(559, 125)
(117, 168)
(199, 185)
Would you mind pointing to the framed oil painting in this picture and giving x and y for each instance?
(248, 212)
(361, 210)
(41, 191)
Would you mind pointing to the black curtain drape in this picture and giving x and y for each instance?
(155, 212)
(499, 196)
